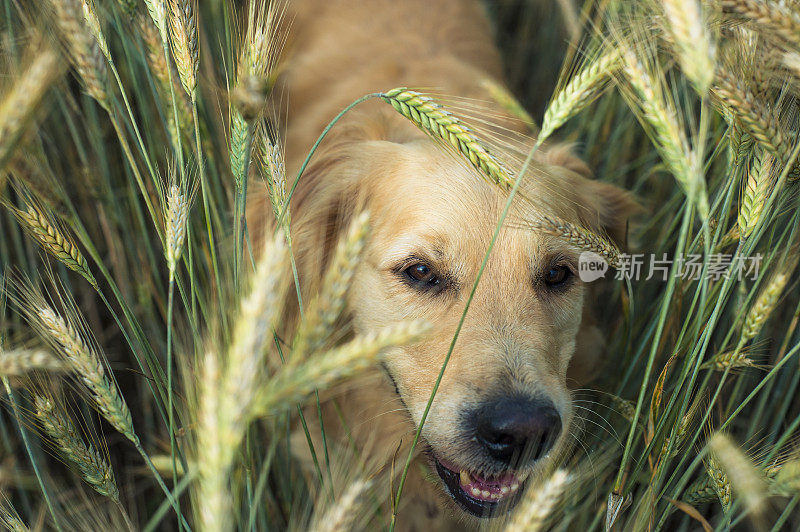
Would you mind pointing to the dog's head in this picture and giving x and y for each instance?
(503, 406)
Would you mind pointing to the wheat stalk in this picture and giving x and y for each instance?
(93, 467)
(776, 18)
(581, 90)
(183, 32)
(691, 39)
(581, 238)
(87, 365)
(53, 240)
(326, 308)
(433, 119)
(18, 362)
(23, 98)
(84, 49)
(532, 515)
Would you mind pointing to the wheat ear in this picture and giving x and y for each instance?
(53, 240)
(776, 18)
(326, 308)
(729, 360)
(165, 80)
(720, 483)
(759, 121)
(435, 120)
(533, 514)
(177, 215)
(581, 238)
(93, 22)
(667, 134)
(581, 90)
(764, 305)
(701, 491)
(239, 146)
(692, 41)
(183, 32)
(273, 171)
(9, 517)
(748, 482)
(84, 49)
(18, 362)
(294, 382)
(23, 98)
(85, 362)
(229, 385)
(786, 480)
(343, 513)
(158, 12)
(758, 186)
(93, 467)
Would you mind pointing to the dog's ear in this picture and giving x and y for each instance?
(326, 200)
(602, 207)
(609, 210)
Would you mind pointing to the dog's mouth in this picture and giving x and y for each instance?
(481, 496)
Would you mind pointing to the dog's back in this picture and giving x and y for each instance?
(339, 50)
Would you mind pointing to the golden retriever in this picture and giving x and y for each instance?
(503, 408)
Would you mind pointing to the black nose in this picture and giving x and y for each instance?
(517, 430)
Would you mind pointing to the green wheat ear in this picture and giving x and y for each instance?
(435, 120)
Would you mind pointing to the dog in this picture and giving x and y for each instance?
(503, 408)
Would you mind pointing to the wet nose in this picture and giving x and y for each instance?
(517, 430)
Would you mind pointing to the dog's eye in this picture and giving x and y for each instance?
(557, 275)
(421, 275)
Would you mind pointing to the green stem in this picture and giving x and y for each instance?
(209, 229)
(172, 500)
(170, 409)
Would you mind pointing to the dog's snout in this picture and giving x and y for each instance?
(515, 431)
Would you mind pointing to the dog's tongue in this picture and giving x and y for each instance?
(487, 488)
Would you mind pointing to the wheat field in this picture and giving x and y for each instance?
(138, 319)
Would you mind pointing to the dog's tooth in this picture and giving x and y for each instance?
(494, 496)
(485, 494)
(504, 489)
(465, 478)
(476, 492)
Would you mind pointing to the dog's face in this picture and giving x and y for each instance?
(502, 408)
